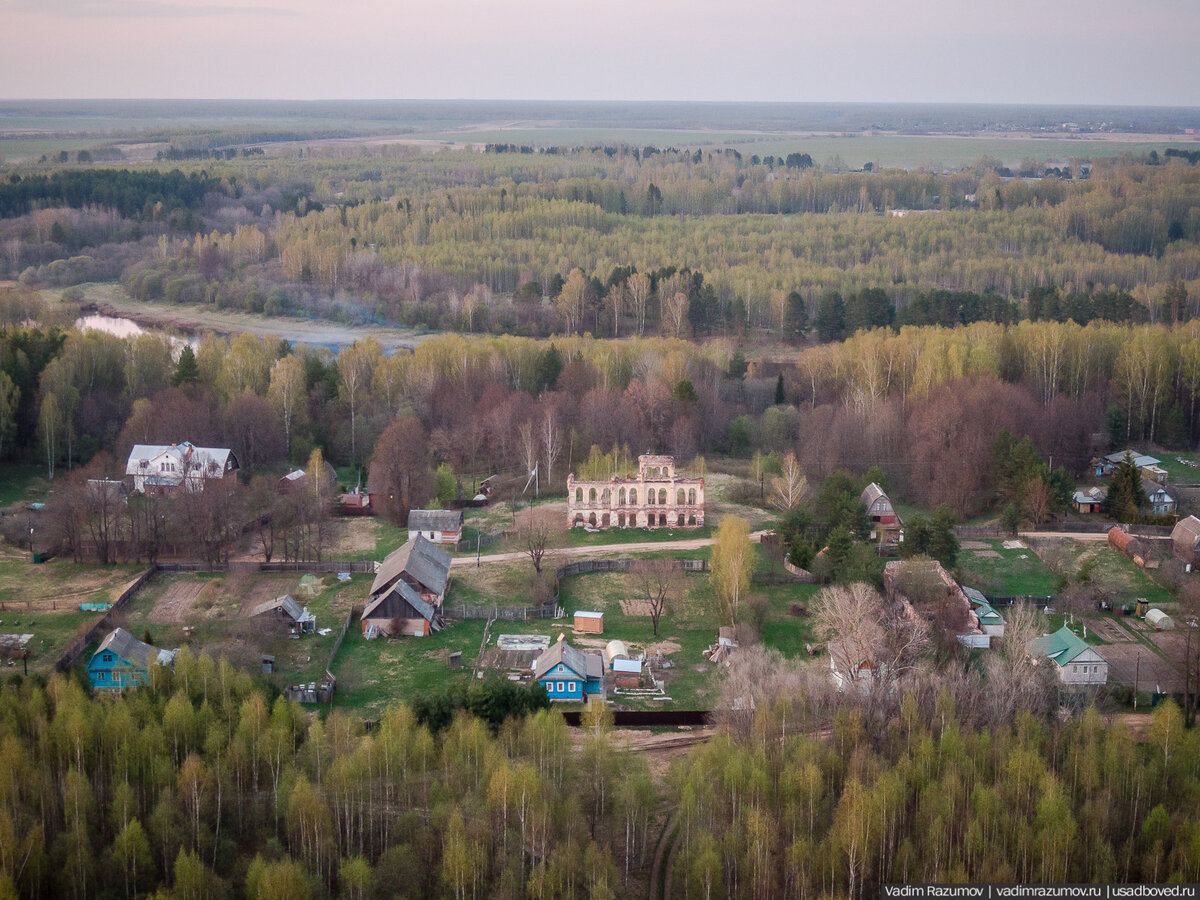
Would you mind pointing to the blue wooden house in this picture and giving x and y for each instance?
(123, 661)
(567, 673)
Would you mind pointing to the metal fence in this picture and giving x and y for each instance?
(463, 611)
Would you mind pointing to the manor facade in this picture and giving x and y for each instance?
(657, 497)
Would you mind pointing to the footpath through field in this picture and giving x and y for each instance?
(595, 549)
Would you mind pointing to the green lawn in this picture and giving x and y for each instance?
(1177, 470)
(1012, 573)
(19, 481)
(1124, 581)
(372, 674)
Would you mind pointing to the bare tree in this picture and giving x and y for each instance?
(1016, 680)
(552, 443)
(638, 286)
(537, 535)
(660, 581)
(790, 485)
(528, 443)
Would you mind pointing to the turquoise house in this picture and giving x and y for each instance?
(567, 673)
(123, 661)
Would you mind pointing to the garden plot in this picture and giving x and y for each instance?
(1130, 661)
(176, 604)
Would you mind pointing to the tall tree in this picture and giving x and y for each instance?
(731, 564)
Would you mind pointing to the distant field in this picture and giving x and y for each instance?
(18, 150)
(887, 150)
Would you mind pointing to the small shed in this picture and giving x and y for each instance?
(627, 672)
(1159, 620)
(589, 622)
(268, 664)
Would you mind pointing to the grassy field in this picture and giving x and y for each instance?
(373, 673)
(19, 481)
(853, 149)
(1178, 470)
(43, 600)
(1010, 573)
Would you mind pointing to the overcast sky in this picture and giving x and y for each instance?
(1139, 52)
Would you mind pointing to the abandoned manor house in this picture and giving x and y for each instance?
(656, 498)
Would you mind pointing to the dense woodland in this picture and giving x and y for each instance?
(200, 786)
(487, 242)
(925, 405)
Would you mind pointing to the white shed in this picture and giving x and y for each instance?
(1159, 620)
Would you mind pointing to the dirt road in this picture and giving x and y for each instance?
(1069, 535)
(595, 550)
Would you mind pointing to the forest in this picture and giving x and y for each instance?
(487, 242)
(201, 785)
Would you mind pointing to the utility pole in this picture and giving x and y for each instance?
(1137, 669)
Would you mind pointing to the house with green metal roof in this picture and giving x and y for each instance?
(1076, 661)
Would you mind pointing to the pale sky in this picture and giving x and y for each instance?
(1137, 52)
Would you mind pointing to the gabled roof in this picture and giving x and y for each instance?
(202, 459)
(130, 649)
(871, 493)
(1090, 495)
(1187, 531)
(975, 596)
(286, 603)
(390, 605)
(1062, 646)
(435, 520)
(561, 652)
(987, 615)
(1151, 488)
(422, 559)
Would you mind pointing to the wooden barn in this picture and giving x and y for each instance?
(409, 587)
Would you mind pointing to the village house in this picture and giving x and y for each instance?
(442, 526)
(176, 468)
(970, 631)
(990, 620)
(298, 479)
(886, 523)
(123, 661)
(1074, 660)
(287, 608)
(1148, 465)
(850, 670)
(408, 591)
(1088, 500)
(567, 673)
(657, 497)
(1161, 502)
(1185, 540)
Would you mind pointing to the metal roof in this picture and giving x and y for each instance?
(561, 652)
(202, 459)
(420, 558)
(130, 649)
(435, 520)
(1062, 646)
(390, 605)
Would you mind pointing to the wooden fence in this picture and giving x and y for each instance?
(360, 566)
(103, 623)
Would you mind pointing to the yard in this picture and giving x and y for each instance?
(999, 572)
(44, 600)
(217, 608)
